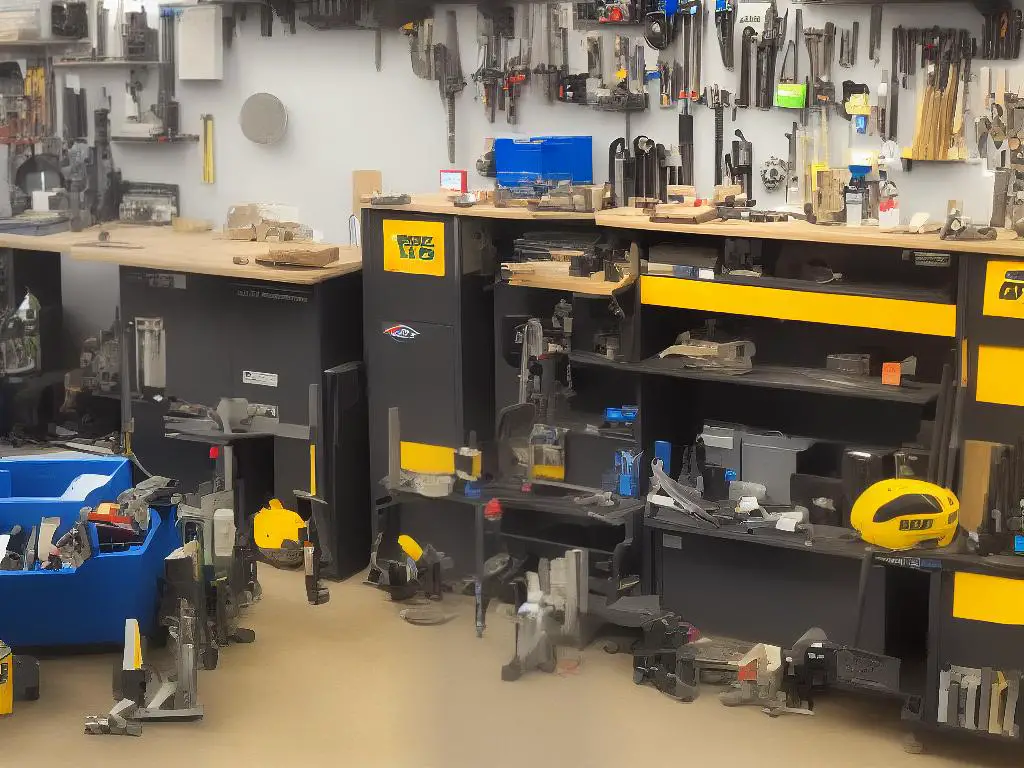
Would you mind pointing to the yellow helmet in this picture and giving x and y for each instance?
(901, 513)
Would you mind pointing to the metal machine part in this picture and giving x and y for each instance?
(150, 353)
(774, 173)
(743, 163)
(142, 694)
(958, 227)
(147, 202)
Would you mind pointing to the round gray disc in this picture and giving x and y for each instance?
(263, 118)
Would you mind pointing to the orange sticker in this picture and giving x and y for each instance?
(891, 373)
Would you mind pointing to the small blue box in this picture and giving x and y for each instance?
(544, 159)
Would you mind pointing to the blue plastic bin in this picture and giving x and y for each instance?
(86, 605)
(544, 159)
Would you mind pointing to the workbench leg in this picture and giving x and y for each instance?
(478, 585)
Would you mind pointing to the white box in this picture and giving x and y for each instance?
(200, 43)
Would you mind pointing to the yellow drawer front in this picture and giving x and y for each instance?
(807, 306)
(999, 377)
(1004, 289)
(988, 598)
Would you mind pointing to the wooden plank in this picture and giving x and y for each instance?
(1006, 245)
(364, 182)
(974, 482)
(205, 254)
(568, 283)
(439, 204)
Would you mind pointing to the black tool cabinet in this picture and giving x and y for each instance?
(771, 587)
(219, 332)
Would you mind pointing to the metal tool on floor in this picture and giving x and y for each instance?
(142, 694)
(448, 71)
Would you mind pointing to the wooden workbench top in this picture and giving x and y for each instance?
(439, 204)
(204, 253)
(1006, 244)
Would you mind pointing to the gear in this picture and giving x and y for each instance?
(774, 173)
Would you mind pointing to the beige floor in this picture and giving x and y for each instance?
(351, 685)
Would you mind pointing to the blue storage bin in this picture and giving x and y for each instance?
(87, 605)
(543, 159)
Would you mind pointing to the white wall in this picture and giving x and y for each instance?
(344, 115)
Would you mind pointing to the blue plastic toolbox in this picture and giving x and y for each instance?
(86, 605)
(544, 159)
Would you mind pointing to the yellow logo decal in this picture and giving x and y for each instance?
(414, 247)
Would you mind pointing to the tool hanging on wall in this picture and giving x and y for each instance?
(448, 70)
(1001, 33)
(768, 46)
(848, 46)
(208, 176)
(693, 42)
(659, 24)
(556, 36)
(685, 175)
(621, 172)
(743, 163)
(875, 34)
(647, 179)
(940, 107)
(517, 70)
(724, 22)
(747, 43)
(718, 99)
(789, 94)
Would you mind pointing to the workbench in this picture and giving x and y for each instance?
(766, 588)
(264, 333)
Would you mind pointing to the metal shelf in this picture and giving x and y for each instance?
(41, 43)
(75, 63)
(185, 138)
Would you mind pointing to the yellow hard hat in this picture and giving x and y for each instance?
(902, 513)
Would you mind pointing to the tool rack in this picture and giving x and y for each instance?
(770, 586)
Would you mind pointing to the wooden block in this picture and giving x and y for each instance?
(190, 225)
(364, 184)
(241, 233)
(298, 255)
(723, 191)
(974, 478)
(684, 214)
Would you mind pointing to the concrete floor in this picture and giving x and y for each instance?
(351, 684)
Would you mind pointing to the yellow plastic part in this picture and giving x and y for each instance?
(6, 680)
(988, 598)
(1004, 290)
(410, 546)
(273, 525)
(913, 526)
(924, 317)
(999, 375)
(429, 459)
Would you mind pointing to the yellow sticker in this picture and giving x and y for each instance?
(1004, 289)
(414, 247)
